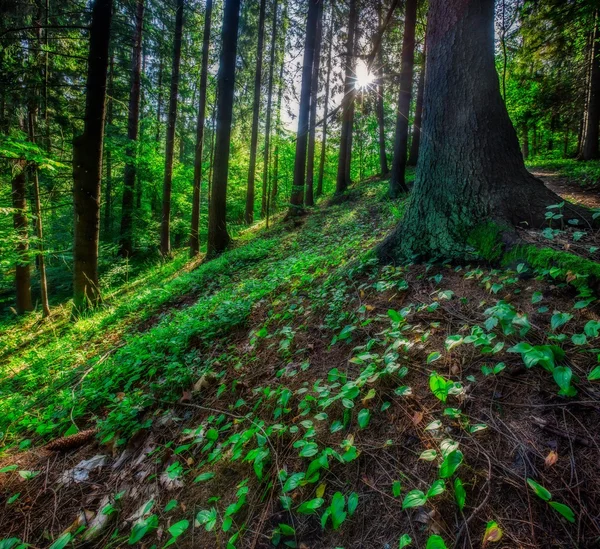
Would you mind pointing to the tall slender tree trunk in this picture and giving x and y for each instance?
(108, 192)
(589, 144)
(218, 237)
(139, 184)
(159, 100)
(413, 157)
(269, 114)
(133, 121)
(383, 164)
(326, 108)
(41, 262)
(165, 226)
(309, 198)
(471, 172)
(195, 230)
(22, 267)
(398, 179)
(297, 194)
(249, 213)
(275, 177)
(87, 162)
(566, 141)
(345, 156)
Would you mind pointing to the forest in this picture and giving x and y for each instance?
(299, 273)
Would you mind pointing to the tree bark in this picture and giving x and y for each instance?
(345, 156)
(589, 144)
(108, 192)
(249, 213)
(398, 179)
(126, 247)
(87, 163)
(470, 171)
(218, 237)
(275, 185)
(41, 262)
(326, 109)
(269, 114)
(309, 198)
(196, 200)
(413, 157)
(165, 226)
(383, 164)
(22, 267)
(297, 194)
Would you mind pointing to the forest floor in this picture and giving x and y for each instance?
(295, 393)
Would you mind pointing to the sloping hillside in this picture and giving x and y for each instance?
(295, 393)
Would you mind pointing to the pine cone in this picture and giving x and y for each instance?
(63, 444)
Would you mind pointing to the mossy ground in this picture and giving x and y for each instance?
(247, 401)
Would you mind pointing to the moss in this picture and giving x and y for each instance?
(546, 259)
(486, 242)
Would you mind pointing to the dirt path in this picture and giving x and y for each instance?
(567, 189)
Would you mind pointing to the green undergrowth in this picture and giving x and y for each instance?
(68, 373)
(586, 174)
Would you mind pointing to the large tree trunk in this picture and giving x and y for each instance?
(249, 213)
(165, 226)
(41, 262)
(589, 143)
(126, 248)
(326, 109)
(269, 114)
(413, 157)
(470, 171)
(87, 163)
(383, 164)
(195, 229)
(108, 191)
(275, 177)
(309, 198)
(218, 237)
(22, 267)
(345, 156)
(398, 179)
(297, 195)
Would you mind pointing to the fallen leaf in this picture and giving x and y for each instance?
(417, 418)
(551, 458)
(492, 533)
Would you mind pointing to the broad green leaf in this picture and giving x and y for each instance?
(396, 488)
(435, 542)
(8, 468)
(433, 357)
(204, 476)
(451, 463)
(363, 418)
(405, 541)
(428, 455)
(62, 541)
(170, 506)
(564, 510)
(592, 328)
(559, 319)
(293, 482)
(287, 530)
(562, 375)
(352, 503)
(594, 374)
(459, 493)
(309, 507)
(539, 490)
(436, 488)
(414, 498)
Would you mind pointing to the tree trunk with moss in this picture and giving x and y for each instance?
(590, 147)
(470, 171)
(22, 267)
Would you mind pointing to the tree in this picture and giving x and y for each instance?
(309, 198)
(297, 196)
(397, 180)
(269, 114)
(413, 157)
(126, 244)
(87, 162)
(470, 172)
(39, 228)
(218, 237)
(344, 160)
(22, 268)
(249, 213)
(194, 234)
(383, 164)
(326, 108)
(591, 121)
(165, 226)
